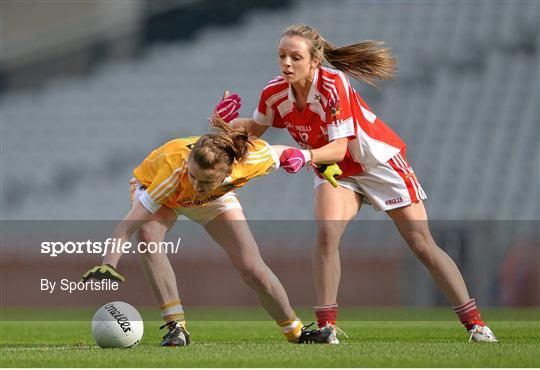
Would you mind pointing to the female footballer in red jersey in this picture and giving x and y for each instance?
(331, 121)
(194, 177)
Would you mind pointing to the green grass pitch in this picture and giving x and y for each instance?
(247, 338)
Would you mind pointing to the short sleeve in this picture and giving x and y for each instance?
(339, 117)
(263, 115)
(276, 92)
(163, 185)
(262, 160)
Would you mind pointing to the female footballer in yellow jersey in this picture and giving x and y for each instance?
(195, 177)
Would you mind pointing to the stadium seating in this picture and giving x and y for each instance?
(466, 102)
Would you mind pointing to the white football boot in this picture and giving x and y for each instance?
(481, 334)
(335, 331)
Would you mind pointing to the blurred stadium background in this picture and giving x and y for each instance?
(88, 88)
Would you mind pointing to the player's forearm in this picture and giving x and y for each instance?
(241, 123)
(332, 152)
(123, 232)
(112, 258)
(249, 124)
(279, 149)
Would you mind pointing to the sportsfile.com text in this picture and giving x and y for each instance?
(110, 245)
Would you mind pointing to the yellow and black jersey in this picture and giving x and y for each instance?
(164, 174)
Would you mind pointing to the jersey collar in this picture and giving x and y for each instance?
(313, 94)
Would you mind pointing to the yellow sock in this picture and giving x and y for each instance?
(292, 329)
(173, 311)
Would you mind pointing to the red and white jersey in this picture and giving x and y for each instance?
(334, 110)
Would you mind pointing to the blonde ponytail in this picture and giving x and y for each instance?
(223, 147)
(366, 61)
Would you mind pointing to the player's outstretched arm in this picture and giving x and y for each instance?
(332, 152)
(228, 109)
(279, 149)
(293, 159)
(137, 216)
(253, 128)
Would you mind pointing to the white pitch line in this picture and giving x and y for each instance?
(44, 348)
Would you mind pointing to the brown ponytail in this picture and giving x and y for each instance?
(223, 147)
(366, 61)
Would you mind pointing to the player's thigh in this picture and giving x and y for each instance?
(412, 223)
(334, 207)
(160, 222)
(336, 203)
(157, 226)
(231, 231)
(154, 230)
(412, 212)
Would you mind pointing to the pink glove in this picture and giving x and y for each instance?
(293, 160)
(228, 107)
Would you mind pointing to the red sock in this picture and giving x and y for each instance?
(469, 314)
(326, 314)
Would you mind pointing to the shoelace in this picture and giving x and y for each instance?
(305, 327)
(472, 334)
(477, 329)
(172, 326)
(169, 325)
(339, 330)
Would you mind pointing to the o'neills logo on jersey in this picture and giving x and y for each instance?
(302, 128)
(120, 318)
(394, 201)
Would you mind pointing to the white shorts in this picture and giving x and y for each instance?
(385, 186)
(202, 214)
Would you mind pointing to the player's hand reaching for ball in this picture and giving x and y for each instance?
(101, 272)
(227, 109)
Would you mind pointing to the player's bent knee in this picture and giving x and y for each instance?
(328, 234)
(421, 246)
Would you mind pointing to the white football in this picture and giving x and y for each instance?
(117, 325)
